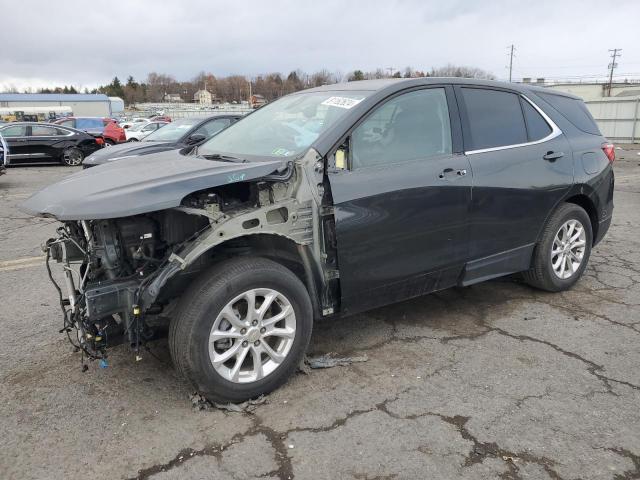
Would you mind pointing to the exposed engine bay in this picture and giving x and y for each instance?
(119, 273)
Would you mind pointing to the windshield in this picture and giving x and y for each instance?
(173, 131)
(284, 128)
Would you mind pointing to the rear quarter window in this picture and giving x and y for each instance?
(573, 110)
(537, 127)
(495, 118)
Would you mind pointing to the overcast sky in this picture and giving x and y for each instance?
(87, 42)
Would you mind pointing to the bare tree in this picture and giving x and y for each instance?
(461, 71)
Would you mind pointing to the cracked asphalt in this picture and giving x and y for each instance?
(492, 381)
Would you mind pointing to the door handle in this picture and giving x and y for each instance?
(447, 172)
(450, 172)
(553, 156)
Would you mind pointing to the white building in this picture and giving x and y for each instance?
(88, 105)
(597, 91)
(172, 98)
(202, 97)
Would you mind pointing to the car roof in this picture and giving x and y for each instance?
(42, 124)
(395, 84)
(39, 124)
(74, 117)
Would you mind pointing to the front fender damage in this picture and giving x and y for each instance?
(288, 208)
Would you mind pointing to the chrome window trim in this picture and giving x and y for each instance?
(555, 131)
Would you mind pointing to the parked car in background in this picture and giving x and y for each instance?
(31, 142)
(185, 132)
(141, 130)
(97, 126)
(4, 150)
(134, 121)
(160, 118)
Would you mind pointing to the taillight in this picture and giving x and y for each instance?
(609, 150)
(100, 140)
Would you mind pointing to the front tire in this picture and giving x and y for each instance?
(241, 329)
(564, 250)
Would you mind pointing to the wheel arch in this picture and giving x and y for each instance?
(294, 256)
(581, 195)
(588, 206)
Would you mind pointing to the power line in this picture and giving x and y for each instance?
(613, 65)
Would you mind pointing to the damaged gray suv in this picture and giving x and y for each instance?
(327, 202)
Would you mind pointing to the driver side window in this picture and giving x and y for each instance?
(411, 126)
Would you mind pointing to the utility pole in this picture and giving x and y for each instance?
(390, 69)
(616, 53)
(511, 48)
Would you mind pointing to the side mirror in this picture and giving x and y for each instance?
(195, 138)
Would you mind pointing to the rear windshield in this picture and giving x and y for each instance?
(573, 110)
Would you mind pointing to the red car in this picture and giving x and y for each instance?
(96, 126)
(160, 118)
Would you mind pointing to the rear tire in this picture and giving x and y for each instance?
(108, 142)
(213, 321)
(562, 255)
(72, 157)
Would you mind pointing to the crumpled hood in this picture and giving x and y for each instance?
(139, 185)
(116, 152)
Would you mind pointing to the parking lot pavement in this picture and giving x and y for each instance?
(491, 381)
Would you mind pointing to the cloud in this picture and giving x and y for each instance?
(81, 42)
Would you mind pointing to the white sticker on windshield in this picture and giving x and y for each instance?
(342, 102)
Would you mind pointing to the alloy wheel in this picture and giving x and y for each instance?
(568, 248)
(252, 335)
(73, 157)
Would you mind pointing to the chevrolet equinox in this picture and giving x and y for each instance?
(326, 202)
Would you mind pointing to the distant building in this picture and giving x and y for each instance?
(257, 101)
(202, 97)
(596, 91)
(90, 105)
(173, 98)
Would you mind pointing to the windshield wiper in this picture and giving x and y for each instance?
(224, 158)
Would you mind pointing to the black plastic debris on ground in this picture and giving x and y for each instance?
(199, 402)
(329, 360)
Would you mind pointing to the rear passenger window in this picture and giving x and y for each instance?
(495, 118)
(573, 110)
(43, 131)
(410, 126)
(537, 127)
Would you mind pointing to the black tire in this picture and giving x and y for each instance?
(132, 140)
(199, 308)
(72, 157)
(108, 142)
(542, 275)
